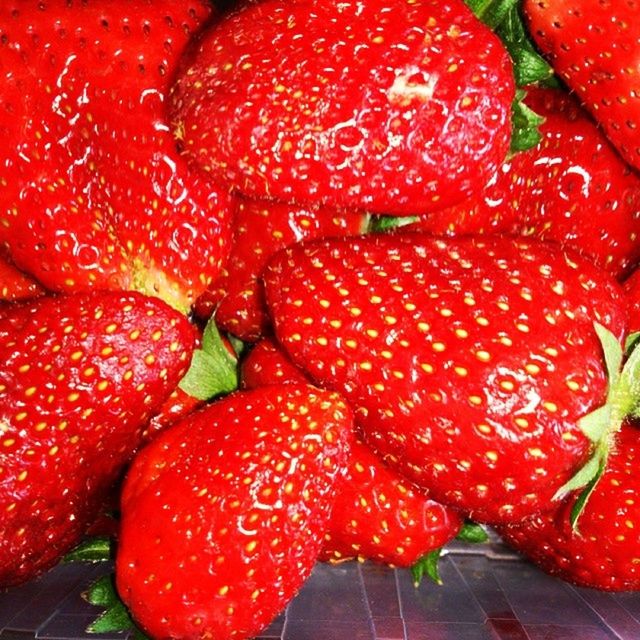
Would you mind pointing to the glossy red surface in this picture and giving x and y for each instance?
(390, 106)
(467, 361)
(94, 191)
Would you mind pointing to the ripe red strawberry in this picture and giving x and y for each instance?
(468, 361)
(93, 193)
(15, 284)
(260, 229)
(266, 363)
(604, 551)
(387, 106)
(572, 188)
(378, 515)
(80, 376)
(594, 46)
(223, 514)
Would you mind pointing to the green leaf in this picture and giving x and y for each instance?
(213, 370)
(115, 617)
(529, 67)
(627, 400)
(237, 344)
(526, 123)
(101, 592)
(584, 496)
(492, 12)
(595, 425)
(427, 566)
(632, 341)
(96, 549)
(612, 350)
(585, 475)
(472, 532)
(381, 224)
(602, 424)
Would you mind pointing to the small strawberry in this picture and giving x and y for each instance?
(223, 514)
(80, 377)
(378, 515)
(468, 362)
(386, 106)
(266, 363)
(594, 46)
(260, 229)
(603, 552)
(93, 193)
(572, 188)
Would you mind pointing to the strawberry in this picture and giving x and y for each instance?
(14, 284)
(266, 363)
(80, 377)
(377, 515)
(594, 46)
(260, 229)
(572, 188)
(380, 516)
(604, 551)
(384, 106)
(90, 167)
(632, 288)
(223, 514)
(468, 361)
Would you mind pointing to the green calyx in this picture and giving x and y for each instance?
(602, 424)
(115, 617)
(214, 369)
(428, 565)
(504, 17)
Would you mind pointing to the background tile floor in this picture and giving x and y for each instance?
(488, 594)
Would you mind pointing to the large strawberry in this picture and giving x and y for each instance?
(388, 106)
(93, 193)
(223, 514)
(261, 228)
(80, 376)
(468, 361)
(602, 550)
(572, 188)
(594, 46)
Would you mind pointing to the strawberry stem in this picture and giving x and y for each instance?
(98, 549)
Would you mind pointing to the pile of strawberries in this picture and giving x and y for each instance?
(301, 280)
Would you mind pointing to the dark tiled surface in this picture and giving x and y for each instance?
(488, 594)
